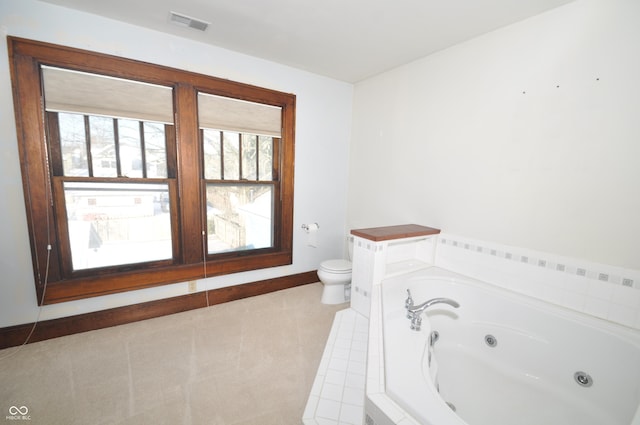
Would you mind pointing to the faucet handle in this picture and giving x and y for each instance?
(408, 303)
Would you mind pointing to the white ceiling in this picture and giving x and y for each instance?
(348, 40)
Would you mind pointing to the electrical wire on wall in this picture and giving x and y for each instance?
(35, 323)
(203, 226)
(204, 262)
(49, 195)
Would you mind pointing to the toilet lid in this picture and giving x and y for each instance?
(336, 265)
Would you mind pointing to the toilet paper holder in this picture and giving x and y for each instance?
(314, 226)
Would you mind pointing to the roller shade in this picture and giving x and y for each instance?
(225, 113)
(93, 94)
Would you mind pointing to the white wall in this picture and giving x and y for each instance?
(322, 137)
(479, 141)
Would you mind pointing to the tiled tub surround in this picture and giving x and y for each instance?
(386, 251)
(540, 347)
(337, 395)
(603, 291)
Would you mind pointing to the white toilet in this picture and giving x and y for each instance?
(335, 275)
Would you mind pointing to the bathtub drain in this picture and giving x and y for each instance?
(491, 340)
(583, 379)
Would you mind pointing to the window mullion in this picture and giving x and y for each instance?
(116, 141)
(258, 158)
(87, 138)
(189, 166)
(240, 158)
(221, 155)
(143, 151)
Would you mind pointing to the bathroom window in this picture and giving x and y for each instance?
(111, 222)
(138, 175)
(239, 191)
(240, 175)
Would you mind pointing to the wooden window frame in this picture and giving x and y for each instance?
(187, 187)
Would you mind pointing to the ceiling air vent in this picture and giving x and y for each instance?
(187, 21)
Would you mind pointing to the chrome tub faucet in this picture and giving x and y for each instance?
(414, 312)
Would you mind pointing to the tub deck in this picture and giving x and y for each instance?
(337, 395)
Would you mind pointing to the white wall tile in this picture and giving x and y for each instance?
(338, 392)
(316, 388)
(599, 289)
(354, 381)
(343, 343)
(338, 364)
(574, 300)
(353, 396)
(328, 409)
(357, 367)
(591, 288)
(310, 408)
(331, 392)
(597, 307)
(623, 314)
(626, 296)
(352, 415)
(576, 284)
(390, 409)
(340, 353)
(325, 421)
(335, 377)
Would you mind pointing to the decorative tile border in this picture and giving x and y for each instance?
(549, 263)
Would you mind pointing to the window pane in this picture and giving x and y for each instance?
(73, 145)
(117, 223)
(249, 156)
(130, 148)
(239, 217)
(231, 151)
(103, 147)
(266, 157)
(211, 145)
(155, 149)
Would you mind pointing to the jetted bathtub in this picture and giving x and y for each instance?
(504, 359)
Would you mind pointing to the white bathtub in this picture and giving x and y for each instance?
(526, 379)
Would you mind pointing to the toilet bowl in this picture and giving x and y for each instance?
(335, 276)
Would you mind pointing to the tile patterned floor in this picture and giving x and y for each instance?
(247, 362)
(337, 395)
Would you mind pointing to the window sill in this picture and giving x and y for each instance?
(87, 287)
